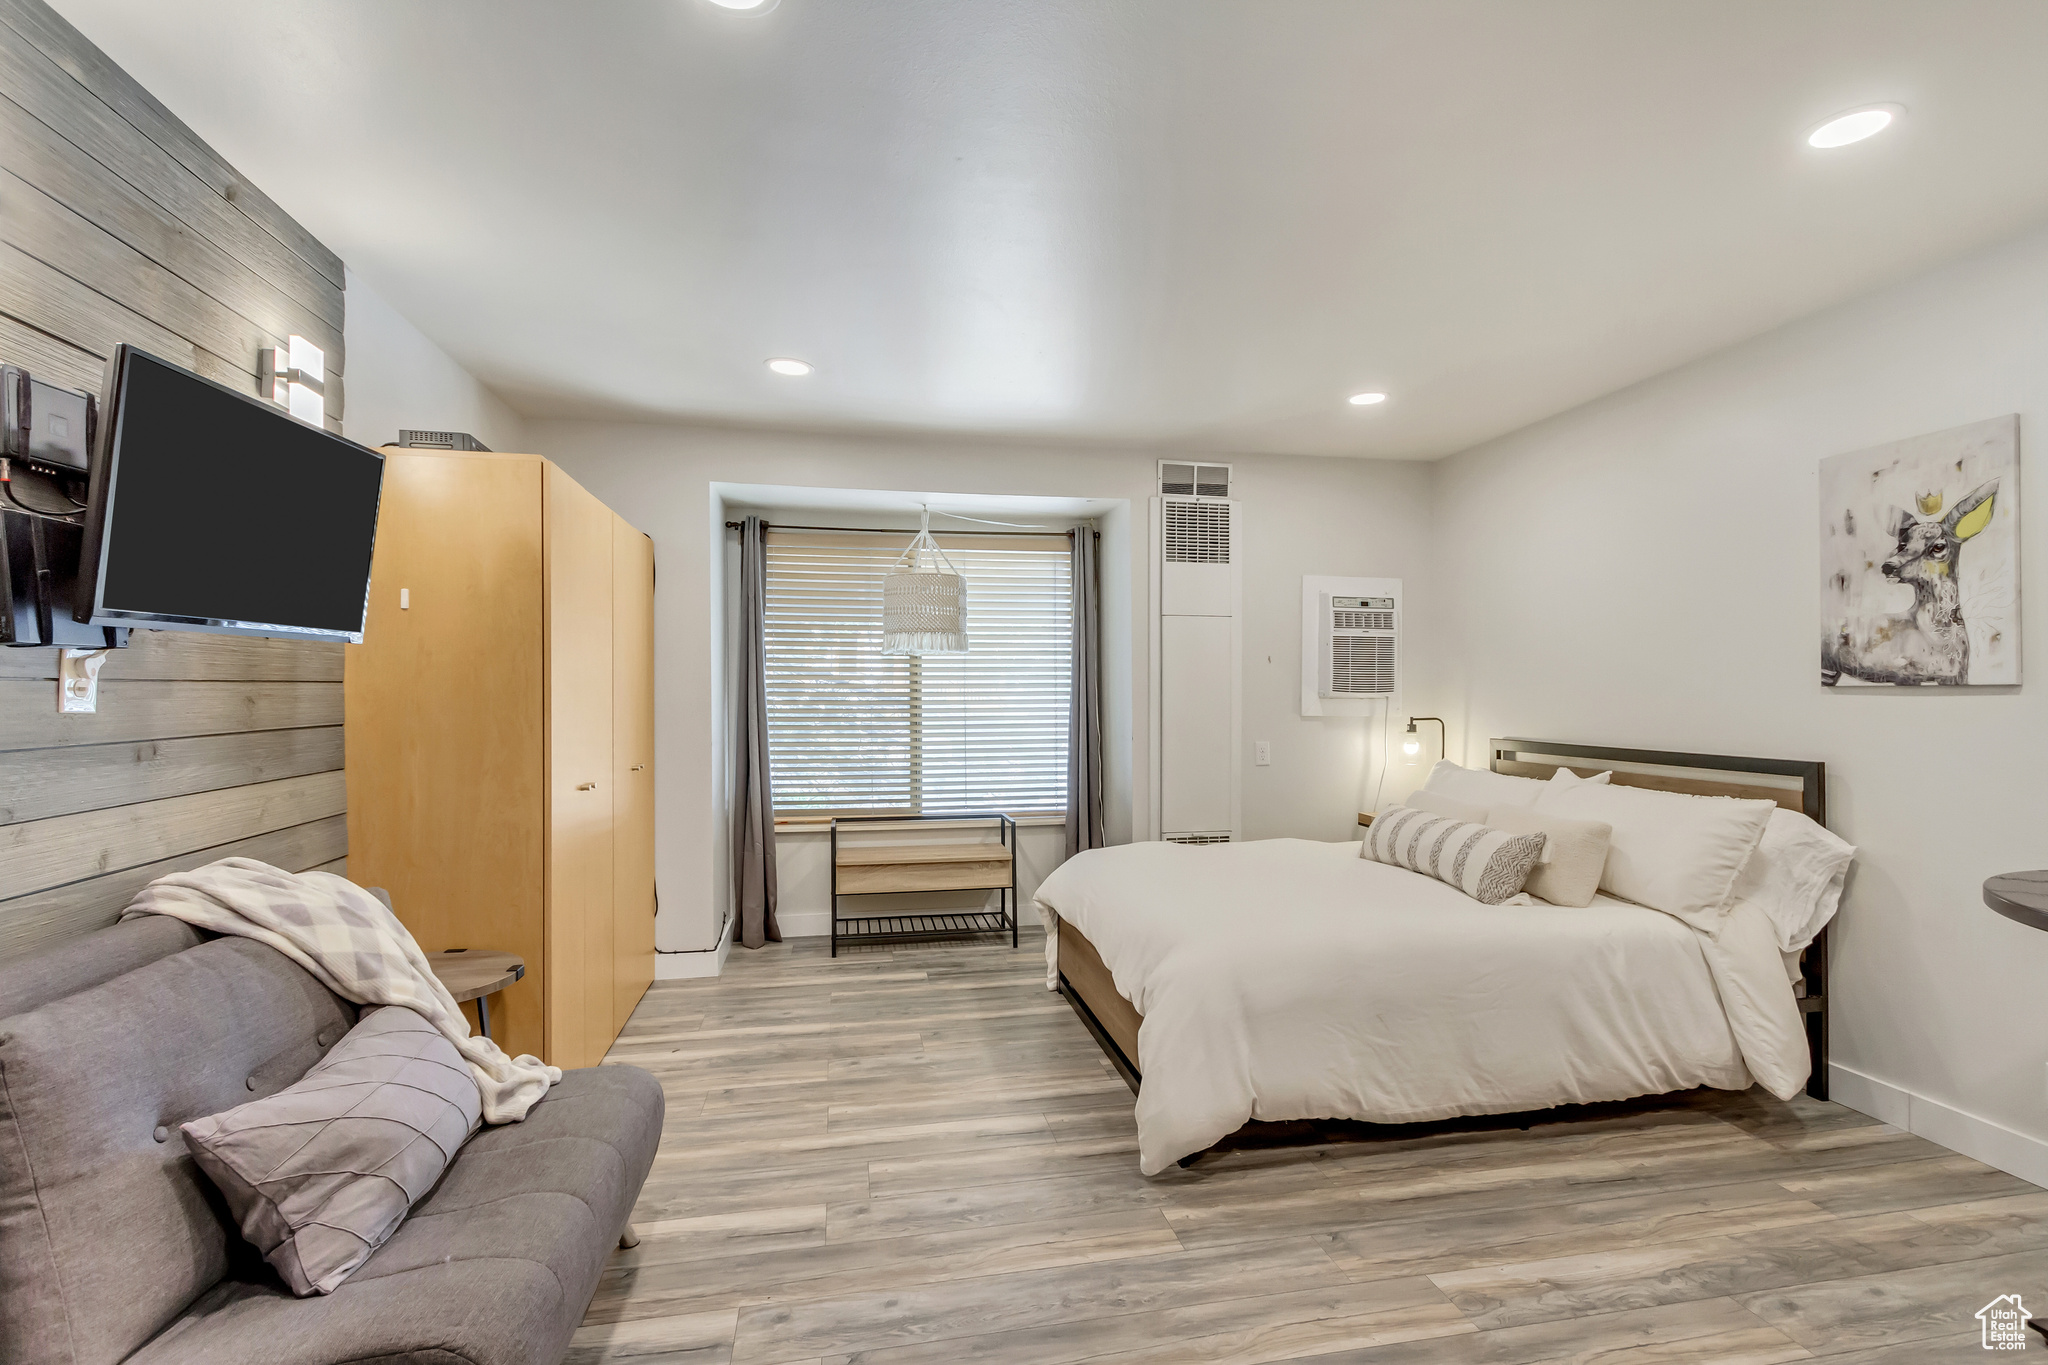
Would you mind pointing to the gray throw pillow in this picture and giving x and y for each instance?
(321, 1173)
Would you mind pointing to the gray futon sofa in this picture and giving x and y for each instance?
(115, 1247)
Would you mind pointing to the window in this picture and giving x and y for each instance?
(852, 731)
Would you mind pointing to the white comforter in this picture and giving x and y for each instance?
(1285, 979)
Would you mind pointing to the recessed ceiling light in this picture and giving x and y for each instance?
(1854, 126)
(1366, 400)
(795, 369)
(754, 6)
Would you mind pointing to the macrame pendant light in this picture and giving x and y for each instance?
(924, 609)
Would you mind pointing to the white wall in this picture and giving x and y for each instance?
(1303, 516)
(1644, 571)
(396, 377)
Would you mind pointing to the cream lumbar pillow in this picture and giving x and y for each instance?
(1489, 865)
(1574, 852)
(1672, 852)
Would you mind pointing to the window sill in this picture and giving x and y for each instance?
(786, 828)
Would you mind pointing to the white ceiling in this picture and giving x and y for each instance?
(1198, 224)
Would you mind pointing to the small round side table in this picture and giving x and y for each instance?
(2021, 896)
(476, 974)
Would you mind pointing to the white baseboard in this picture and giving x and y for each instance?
(708, 962)
(1993, 1144)
(804, 923)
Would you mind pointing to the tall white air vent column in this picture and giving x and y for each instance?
(1197, 646)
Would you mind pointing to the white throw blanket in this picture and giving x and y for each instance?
(353, 946)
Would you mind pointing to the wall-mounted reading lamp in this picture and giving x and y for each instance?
(295, 379)
(1411, 745)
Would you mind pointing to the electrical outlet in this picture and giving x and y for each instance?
(78, 679)
(1262, 753)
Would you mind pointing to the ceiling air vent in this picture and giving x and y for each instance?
(1194, 480)
(1197, 532)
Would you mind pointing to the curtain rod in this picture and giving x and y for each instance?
(887, 531)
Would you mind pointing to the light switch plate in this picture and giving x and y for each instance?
(1262, 753)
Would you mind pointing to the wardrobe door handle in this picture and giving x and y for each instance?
(638, 766)
(586, 786)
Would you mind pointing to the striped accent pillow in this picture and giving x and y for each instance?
(1489, 865)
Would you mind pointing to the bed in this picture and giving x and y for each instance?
(1288, 979)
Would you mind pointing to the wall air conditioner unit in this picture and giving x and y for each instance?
(1197, 645)
(1350, 644)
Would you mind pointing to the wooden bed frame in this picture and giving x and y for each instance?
(1792, 783)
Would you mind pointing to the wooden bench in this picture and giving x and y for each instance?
(866, 869)
(925, 867)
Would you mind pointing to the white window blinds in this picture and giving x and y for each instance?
(851, 731)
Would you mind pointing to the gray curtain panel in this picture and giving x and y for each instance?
(753, 806)
(1084, 714)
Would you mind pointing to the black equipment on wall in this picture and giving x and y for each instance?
(49, 428)
(39, 582)
(45, 450)
(211, 510)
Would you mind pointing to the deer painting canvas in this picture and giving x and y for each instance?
(1919, 548)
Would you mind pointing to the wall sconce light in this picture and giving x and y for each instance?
(1411, 744)
(295, 379)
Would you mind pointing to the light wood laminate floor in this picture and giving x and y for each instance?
(919, 1155)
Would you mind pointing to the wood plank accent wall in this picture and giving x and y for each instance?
(118, 224)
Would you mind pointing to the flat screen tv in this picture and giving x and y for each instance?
(211, 510)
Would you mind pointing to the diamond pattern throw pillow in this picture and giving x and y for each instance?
(321, 1173)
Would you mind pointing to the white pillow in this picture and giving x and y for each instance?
(1795, 876)
(1574, 852)
(1480, 786)
(1672, 852)
(1436, 803)
(1485, 789)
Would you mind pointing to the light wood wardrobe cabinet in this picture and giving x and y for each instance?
(500, 736)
